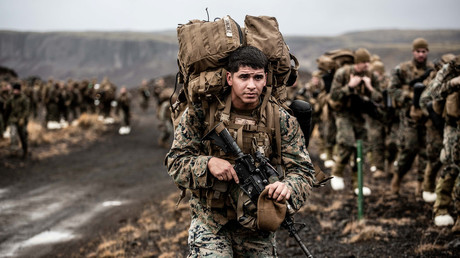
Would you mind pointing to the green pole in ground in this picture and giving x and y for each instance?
(359, 161)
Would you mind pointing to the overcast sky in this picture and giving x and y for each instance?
(296, 17)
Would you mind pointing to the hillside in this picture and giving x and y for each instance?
(128, 57)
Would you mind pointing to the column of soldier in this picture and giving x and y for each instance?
(57, 104)
(410, 117)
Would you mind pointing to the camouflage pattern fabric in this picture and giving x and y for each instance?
(350, 119)
(448, 183)
(187, 165)
(412, 132)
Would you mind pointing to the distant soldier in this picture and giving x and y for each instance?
(406, 79)
(445, 91)
(164, 116)
(316, 92)
(5, 89)
(144, 92)
(354, 90)
(106, 97)
(124, 104)
(382, 131)
(17, 114)
(75, 101)
(52, 100)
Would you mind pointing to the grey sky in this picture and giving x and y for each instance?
(296, 17)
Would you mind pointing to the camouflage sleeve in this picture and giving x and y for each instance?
(376, 94)
(186, 162)
(338, 91)
(299, 169)
(426, 98)
(440, 87)
(395, 88)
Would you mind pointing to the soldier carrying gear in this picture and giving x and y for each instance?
(222, 214)
(412, 121)
(353, 87)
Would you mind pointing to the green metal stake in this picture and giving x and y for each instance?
(359, 161)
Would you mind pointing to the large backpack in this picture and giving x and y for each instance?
(204, 48)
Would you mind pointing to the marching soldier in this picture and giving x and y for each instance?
(354, 90)
(405, 79)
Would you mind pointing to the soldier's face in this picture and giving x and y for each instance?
(420, 55)
(362, 67)
(247, 85)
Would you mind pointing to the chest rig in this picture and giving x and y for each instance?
(258, 130)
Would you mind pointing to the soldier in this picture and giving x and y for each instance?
(445, 90)
(17, 114)
(202, 168)
(124, 103)
(4, 96)
(382, 132)
(52, 99)
(434, 134)
(166, 97)
(316, 93)
(144, 91)
(75, 102)
(354, 90)
(412, 121)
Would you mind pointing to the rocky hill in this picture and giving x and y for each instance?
(128, 57)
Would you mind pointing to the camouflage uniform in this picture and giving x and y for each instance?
(379, 128)
(124, 103)
(412, 131)
(144, 91)
(214, 227)
(17, 111)
(442, 89)
(434, 130)
(350, 118)
(52, 99)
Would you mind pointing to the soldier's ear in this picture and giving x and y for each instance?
(229, 78)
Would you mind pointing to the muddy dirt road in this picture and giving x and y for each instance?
(55, 205)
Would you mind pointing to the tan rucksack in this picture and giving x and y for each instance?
(204, 48)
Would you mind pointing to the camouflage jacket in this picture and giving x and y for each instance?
(353, 101)
(17, 108)
(188, 158)
(439, 87)
(400, 89)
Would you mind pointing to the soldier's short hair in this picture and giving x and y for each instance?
(247, 56)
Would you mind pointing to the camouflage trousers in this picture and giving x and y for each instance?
(412, 140)
(349, 130)
(433, 148)
(448, 185)
(232, 240)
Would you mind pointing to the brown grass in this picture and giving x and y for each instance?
(172, 222)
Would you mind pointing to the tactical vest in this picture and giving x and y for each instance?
(255, 131)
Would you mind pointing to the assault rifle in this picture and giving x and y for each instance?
(421, 78)
(253, 179)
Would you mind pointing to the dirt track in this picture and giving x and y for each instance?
(81, 195)
(86, 196)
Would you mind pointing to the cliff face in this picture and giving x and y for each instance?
(128, 57)
(125, 60)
